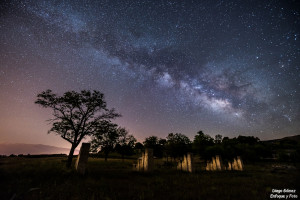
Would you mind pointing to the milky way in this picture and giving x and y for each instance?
(225, 67)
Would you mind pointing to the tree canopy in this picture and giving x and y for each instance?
(106, 138)
(76, 114)
(126, 143)
(177, 144)
(157, 144)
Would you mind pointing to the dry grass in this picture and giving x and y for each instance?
(47, 178)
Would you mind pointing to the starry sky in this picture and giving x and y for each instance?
(224, 67)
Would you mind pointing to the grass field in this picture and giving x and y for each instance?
(47, 178)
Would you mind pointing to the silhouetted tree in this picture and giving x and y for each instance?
(218, 139)
(201, 142)
(211, 151)
(251, 140)
(138, 145)
(106, 138)
(150, 142)
(249, 147)
(177, 144)
(76, 114)
(162, 147)
(155, 143)
(125, 144)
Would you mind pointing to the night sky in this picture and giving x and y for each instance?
(224, 67)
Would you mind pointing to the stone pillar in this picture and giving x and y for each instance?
(139, 165)
(229, 166)
(219, 164)
(237, 164)
(214, 164)
(207, 168)
(179, 165)
(240, 163)
(82, 159)
(148, 160)
(234, 165)
(190, 163)
(186, 164)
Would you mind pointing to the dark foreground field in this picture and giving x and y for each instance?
(47, 178)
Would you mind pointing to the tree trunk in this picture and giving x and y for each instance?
(70, 157)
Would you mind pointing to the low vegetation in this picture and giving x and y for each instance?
(48, 178)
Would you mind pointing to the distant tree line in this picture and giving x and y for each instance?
(175, 145)
(78, 115)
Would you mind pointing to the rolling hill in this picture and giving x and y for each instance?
(33, 149)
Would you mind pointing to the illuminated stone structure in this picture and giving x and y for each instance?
(238, 164)
(234, 165)
(219, 164)
(146, 162)
(209, 166)
(216, 164)
(229, 166)
(82, 159)
(186, 164)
